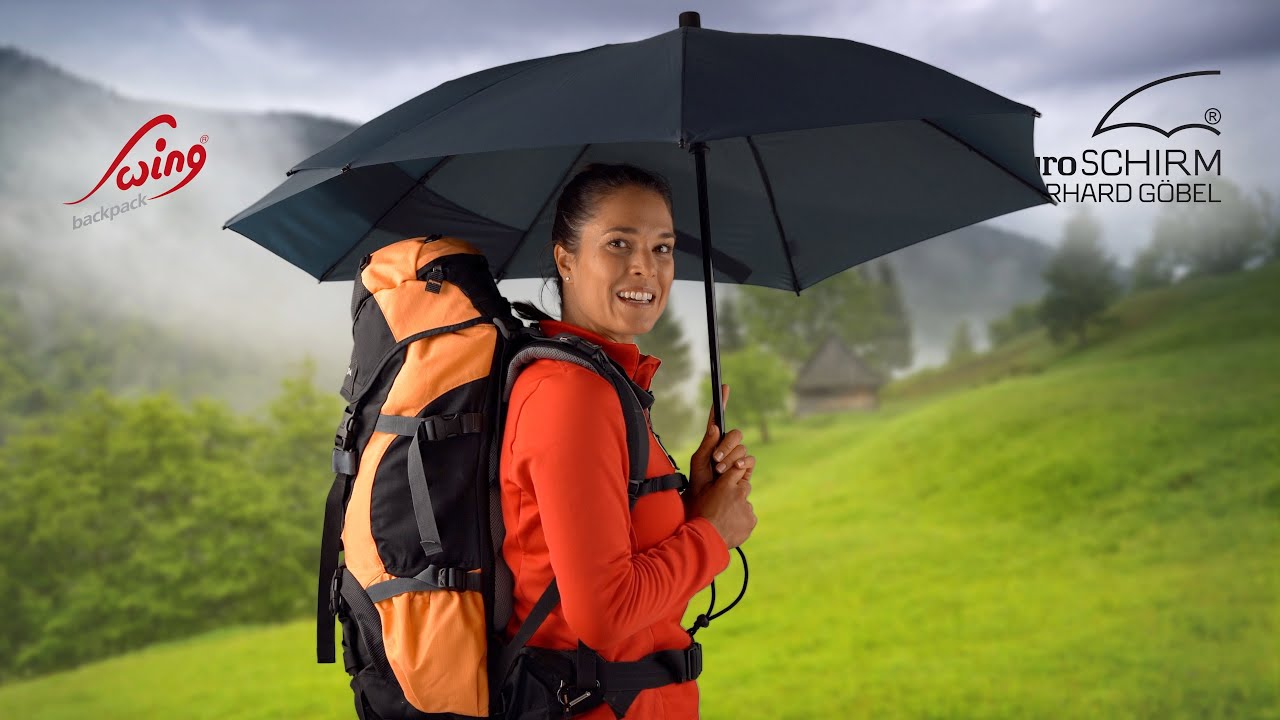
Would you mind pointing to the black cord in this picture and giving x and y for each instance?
(741, 592)
(705, 618)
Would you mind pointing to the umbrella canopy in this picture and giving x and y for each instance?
(821, 154)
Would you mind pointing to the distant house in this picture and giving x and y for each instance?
(835, 379)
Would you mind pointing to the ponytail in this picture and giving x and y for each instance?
(529, 312)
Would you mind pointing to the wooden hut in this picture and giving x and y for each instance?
(835, 379)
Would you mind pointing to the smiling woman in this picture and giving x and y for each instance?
(612, 241)
(624, 573)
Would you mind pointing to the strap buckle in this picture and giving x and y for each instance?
(342, 439)
(564, 691)
(692, 662)
(335, 590)
(439, 427)
(451, 578)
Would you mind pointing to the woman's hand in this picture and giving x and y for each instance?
(723, 501)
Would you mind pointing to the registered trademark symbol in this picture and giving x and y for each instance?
(1213, 116)
(205, 138)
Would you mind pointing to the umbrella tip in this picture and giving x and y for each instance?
(690, 18)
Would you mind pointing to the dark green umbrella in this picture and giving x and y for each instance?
(808, 155)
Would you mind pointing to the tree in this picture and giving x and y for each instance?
(845, 304)
(760, 382)
(729, 327)
(163, 520)
(671, 414)
(1153, 267)
(961, 347)
(1021, 319)
(890, 349)
(1214, 238)
(1081, 279)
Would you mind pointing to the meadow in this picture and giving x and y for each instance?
(1043, 532)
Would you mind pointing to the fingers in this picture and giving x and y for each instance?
(708, 443)
(735, 457)
(731, 477)
(732, 439)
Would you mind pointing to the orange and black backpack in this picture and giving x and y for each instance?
(411, 552)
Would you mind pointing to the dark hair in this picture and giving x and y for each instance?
(577, 205)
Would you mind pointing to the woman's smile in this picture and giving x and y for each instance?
(637, 297)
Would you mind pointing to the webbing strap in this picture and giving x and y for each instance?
(423, 512)
(672, 481)
(621, 682)
(437, 427)
(344, 462)
(541, 609)
(366, 615)
(433, 578)
(330, 546)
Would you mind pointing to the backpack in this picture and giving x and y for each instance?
(422, 592)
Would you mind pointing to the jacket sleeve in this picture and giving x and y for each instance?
(571, 437)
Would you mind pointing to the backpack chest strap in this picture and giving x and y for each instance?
(671, 481)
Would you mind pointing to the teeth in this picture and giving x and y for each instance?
(644, 297)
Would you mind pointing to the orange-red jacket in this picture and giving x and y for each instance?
(625, 576)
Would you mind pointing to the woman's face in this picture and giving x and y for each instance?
(626, 246)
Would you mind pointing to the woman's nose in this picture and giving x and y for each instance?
(644, 265)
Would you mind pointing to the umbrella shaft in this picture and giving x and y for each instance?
(699, 151)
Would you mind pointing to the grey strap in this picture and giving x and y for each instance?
(435, 427)
(423, 511)
(433, 578)
(438, 427)
(344, 462)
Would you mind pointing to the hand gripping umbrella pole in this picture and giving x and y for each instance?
(699, 151)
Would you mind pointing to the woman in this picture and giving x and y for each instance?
(625, 575)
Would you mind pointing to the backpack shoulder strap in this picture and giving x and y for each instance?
(635, 400)
(587, 354)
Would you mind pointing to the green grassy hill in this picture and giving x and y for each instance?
(1041, 533)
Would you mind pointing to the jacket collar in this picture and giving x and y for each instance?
(638, 366)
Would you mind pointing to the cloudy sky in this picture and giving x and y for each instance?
(1070, 60)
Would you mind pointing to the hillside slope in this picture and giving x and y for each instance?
(1094, 540)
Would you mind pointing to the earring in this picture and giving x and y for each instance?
(566, 278)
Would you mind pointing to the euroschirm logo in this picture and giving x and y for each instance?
(1166, 166)
(128, 175)
(1212, 116)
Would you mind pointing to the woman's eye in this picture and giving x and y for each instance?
(617, 240)
(667, 251)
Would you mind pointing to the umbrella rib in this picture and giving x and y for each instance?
(523, 236)
(989, 159)
(773, 208)
(412, 186)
